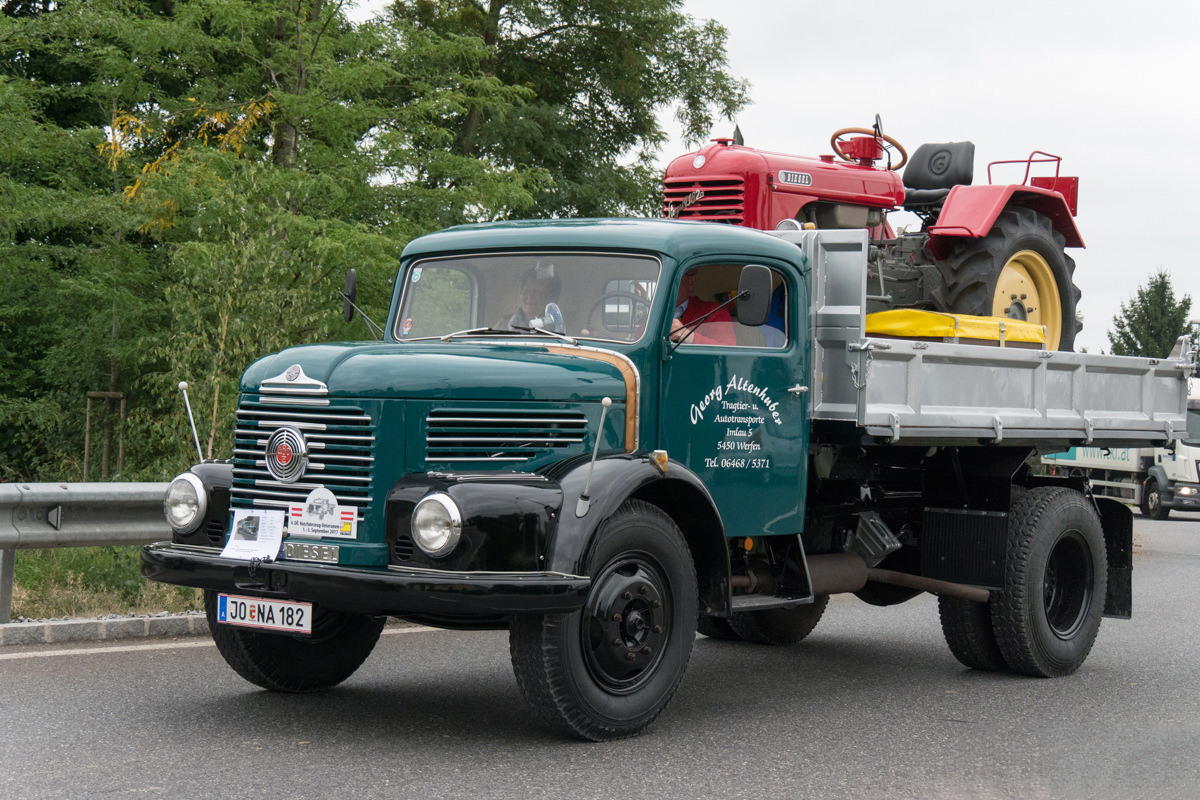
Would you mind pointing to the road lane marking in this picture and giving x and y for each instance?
(133, 648)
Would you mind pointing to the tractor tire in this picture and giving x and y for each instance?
(607, 670)
(282, 662)
(778, 626)
(1019, 270)
(1152, 505)
(716, 628)
(1047, 616)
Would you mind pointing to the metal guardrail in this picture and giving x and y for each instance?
(44, 515)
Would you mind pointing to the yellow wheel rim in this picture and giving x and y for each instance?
(1026, 290)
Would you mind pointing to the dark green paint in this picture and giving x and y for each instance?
(400, 383)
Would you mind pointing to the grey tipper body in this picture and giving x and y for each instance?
(916, 391)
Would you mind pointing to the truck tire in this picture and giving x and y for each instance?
(1152, 505)
(716, 628)
(607, 670)
(1019, 270)
(779, 625)
(1047, 616)
(281, 662)
(967, 626)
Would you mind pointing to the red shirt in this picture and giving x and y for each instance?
(717, 329)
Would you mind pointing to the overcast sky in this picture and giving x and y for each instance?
(1112, 88)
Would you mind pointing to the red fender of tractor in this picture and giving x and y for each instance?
(971, 211)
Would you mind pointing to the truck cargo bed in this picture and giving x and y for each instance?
(922, 392)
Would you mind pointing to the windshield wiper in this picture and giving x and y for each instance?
(555, 334)
(478, 331)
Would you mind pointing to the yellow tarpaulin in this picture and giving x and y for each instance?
(911, 323)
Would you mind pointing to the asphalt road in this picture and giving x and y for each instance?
(871, 705)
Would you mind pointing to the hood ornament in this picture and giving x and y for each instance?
(293, 381)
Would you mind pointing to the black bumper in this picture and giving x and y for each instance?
(396, 590)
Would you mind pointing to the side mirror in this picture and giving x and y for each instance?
(350, 295)
(754, 295)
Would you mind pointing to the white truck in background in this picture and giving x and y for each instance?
(1155, 479)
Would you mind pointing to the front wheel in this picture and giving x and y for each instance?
(283, 662)
(1152, 505)
(1047, 616)
(606, 671)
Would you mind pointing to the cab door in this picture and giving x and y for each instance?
(737, 414)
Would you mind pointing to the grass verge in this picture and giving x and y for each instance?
(91, 581)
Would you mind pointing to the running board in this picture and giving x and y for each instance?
(759, 602)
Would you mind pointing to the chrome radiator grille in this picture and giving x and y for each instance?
(341, 448)
(476, 435)
(723, 200)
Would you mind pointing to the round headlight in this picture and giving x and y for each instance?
(185, 503)
(436, 525)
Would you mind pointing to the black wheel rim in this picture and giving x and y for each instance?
(626, 623)
(1067, 585)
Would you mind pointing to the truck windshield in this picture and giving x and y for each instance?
(1193, 423)
(589, 295)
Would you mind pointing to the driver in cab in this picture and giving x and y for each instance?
(716, 329)
(539, 287)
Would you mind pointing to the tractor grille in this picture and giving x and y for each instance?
(723, 199)
(474, 435)
(340, 443)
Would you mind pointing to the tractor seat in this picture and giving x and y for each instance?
(935, 169)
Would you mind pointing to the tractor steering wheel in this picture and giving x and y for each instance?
(835, 142)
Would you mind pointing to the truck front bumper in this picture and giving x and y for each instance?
(1184, 497)
(360, 590)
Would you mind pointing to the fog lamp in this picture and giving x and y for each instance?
(436, 525)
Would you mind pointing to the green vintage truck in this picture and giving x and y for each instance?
(606, 435)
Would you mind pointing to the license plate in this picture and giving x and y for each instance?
(271, 615)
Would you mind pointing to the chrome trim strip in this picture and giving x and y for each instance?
(573, 419)
(250, 493)
(486, 458)
(499, 438)
(295, 401)
(483, 574)
(197, 548)
(466, 477)
(247, 473)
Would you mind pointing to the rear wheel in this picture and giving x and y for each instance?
(282, 662)
(1020, 270)
(716, 628)
(608, 670)
(967, 626)
(1152, 505)
(1055, 578)
(779, 625)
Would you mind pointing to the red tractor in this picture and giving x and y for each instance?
(994, 250)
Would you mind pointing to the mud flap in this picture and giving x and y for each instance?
(1117, 521)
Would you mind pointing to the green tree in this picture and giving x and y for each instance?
(182, 186)
(1151, 322)
(184, 182)
(599, 73)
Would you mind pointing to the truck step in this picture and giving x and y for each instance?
(758, 602)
